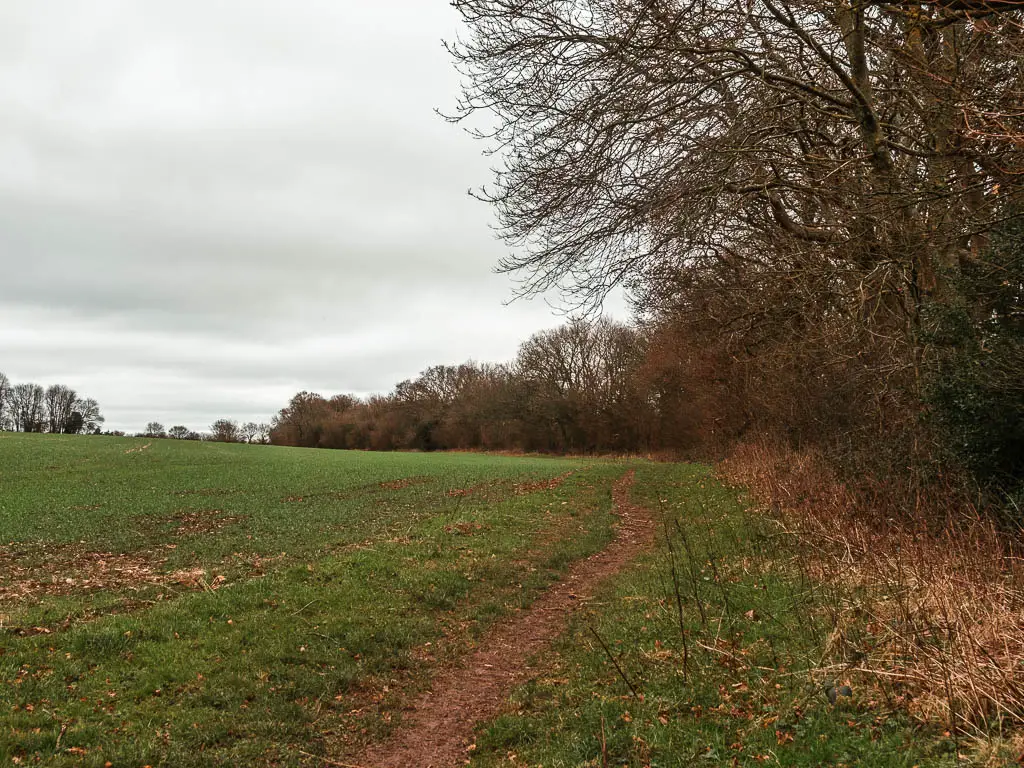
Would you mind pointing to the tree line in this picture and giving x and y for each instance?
(590, 385)
(816, 209)
(57, 409)
(221, 431)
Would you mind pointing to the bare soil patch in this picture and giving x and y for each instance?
(405, 482)
(464, 528)
(32, 571)
(200, 521)
(35, 570)
(463, 492)
(438, 728)
(187, 521)
(521, 489)
(518, 489)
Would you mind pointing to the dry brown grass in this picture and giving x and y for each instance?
(927, 596)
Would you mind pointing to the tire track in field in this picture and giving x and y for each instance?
(439, 727)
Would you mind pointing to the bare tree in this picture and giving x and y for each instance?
(300, 423)
(89, 412)
(5, 399)
(225, 431)
(582, 380)
(154, 429)
(248, 431)
(60, 405)
(834, 161)
(178, 432)
(28, 407)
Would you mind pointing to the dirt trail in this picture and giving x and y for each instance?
(438, 729)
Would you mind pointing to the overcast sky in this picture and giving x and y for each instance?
(209, 205)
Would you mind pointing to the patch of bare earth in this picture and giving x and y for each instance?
(35, 571)
(405, 482)
(438, 728)
(196, 522)
(518, 489)
(521, 489)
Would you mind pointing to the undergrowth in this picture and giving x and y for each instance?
(933, 591)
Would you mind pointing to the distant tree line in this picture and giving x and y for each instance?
(587, 386)
(57, 409)
(221, 431)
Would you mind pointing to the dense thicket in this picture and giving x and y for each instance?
(974, 384)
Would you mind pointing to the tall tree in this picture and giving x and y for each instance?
(785, 165)
(248, 431)
(225, 431)
(301, 422)
(28, 407)
(60, 405)
(5, 398)
(91, 418)
(582, 381)
(263, 433)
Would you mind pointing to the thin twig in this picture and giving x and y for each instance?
(295, 613)
(604, 746)
(622, 674)
(693, 576)
(679, 603)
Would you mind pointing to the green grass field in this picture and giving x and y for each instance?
(202, 603)
(195, 604)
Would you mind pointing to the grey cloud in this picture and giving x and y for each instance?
(206, 206)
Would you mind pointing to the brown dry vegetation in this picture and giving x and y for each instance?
(405, 482)
(29, 572)
(928, 601)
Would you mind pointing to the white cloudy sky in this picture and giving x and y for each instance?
(208, 205)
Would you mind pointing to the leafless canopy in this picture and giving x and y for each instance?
(858, 153)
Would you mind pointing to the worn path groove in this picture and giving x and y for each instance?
(439, 727)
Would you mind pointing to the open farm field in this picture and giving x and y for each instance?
(200, 603)
(192, 604)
